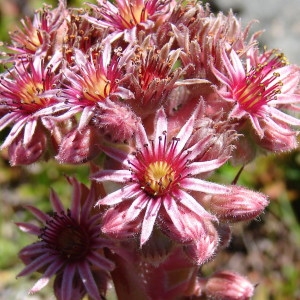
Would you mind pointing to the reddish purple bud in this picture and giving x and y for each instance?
(239, 205)
(227, 285)
(79, 146)
(25, 154)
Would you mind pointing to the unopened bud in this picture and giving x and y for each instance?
(227, 285)
(239, 205)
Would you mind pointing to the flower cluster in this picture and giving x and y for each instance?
(165, 93)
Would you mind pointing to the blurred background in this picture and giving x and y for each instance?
(266, 250)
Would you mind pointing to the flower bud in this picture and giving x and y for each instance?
(79, 146)
(239, 205)
(227, 285)
(25, 154)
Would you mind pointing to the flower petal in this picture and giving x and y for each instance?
(149, 219)
(199, 185)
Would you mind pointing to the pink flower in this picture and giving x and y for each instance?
(127, 15)
(39, 34)
(91, 84)
(70, 247)
(156, 179)
(24, 105)
(260, 90)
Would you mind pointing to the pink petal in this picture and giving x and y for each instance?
(185, 132)
(174, 214)
(136, 207)
(8, 119)
(141, 136)
(284, 117)
(120, 195)
(188, 201)
(29, 130)
(200, 185)
(205, 166)
(161, 124)
(112, 175)
(149, 219)
(256, 126)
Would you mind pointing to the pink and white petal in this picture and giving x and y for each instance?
(149, 219)
(231, 72)
(188, 201)
(141, 136)
(171, 208)
(191, 203)
(86, 116)
(256, 126)
(106, 56)
(70, 113)
(8, 119)
(136, 207)
(239, 70)
(13, 133)
(29, 130)
(112, 175)
(120, 195)
(88, 203)
(161, 124)
(29, 228)
(282, 130)
(88, 280)
(220, 76)
(185, 133)
(284, 117)
(206, 166)
(285, 99)
(204, 186)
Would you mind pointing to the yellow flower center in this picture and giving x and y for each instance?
(158, 177)
(29, 94)
(133, 14)
(96, 88)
